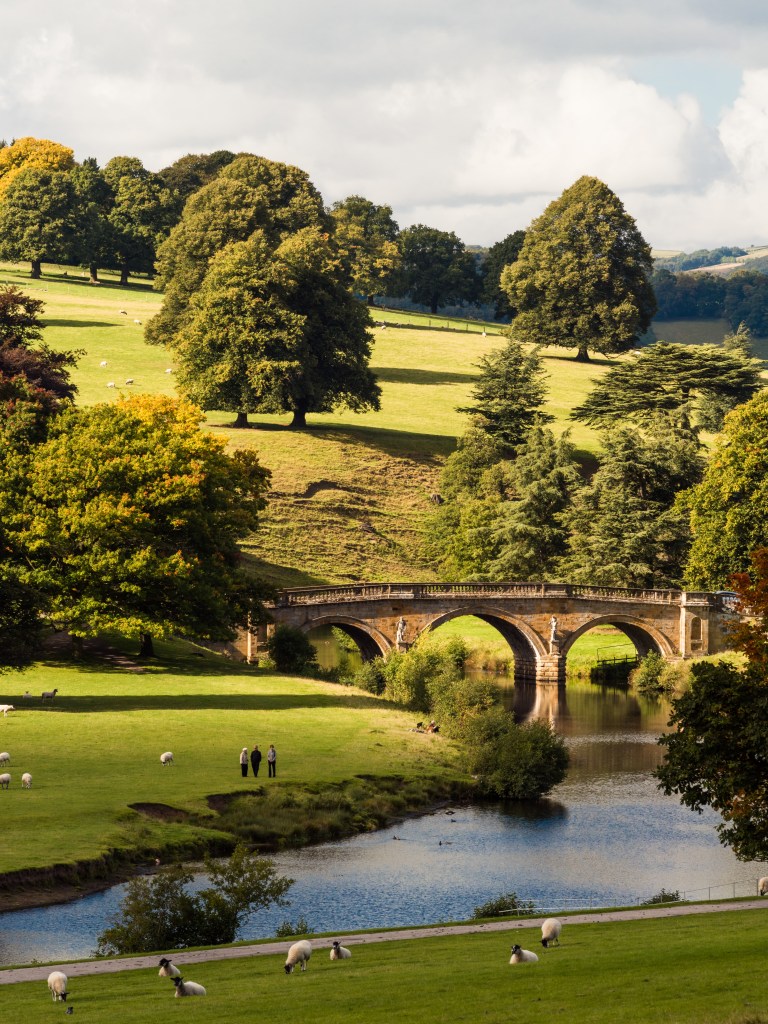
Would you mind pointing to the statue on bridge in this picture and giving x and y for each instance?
(400, 634)
(554, 643)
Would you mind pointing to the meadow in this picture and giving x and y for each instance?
(684, 970)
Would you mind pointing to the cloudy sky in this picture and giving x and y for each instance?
(467, 115)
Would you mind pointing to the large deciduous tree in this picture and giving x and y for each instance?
(436, 267)
(39, 218)
(275, 329)
(582, 279)
(367, 237)
(30, 153)
(189, 173)
(500, 255)
(129, 515)
(141, 213)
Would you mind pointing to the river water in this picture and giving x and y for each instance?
(606, 836)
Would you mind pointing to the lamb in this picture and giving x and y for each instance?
(168, 970)
(26, 781)
(5, 780)
(299, 953)
(49, 694)
(188, 988)
(550, 931)
(523, 956)
(339, 952)
(5, 708)
(762, 886)
(57, 983)
(166, 758)
(5, 758)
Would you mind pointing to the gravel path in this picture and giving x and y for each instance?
(74, 970)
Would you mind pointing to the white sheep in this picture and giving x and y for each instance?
(49, 694)
(5, 708)
(299, 953)
(27, 695)
(166, 758)
(168, 970)
(339, 952)
(188, 988)
(111, 384)
(26, 781)
(523, 956)
(103, 362)
(137, 322)
(550, 931)
(57, 983)
(169, 370)
(5, 758)
(5, 780)
(762, 886)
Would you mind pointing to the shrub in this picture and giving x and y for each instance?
(509, 901)
(287, 928)
(517, 762)
(648, 674)
(370, 676)
(292, 651)
(664, 896)
(454, 702)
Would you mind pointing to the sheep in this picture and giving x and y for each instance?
(129, 380)
(168, 970)
(26, 781)
(49, 694)
(166, 758)
(762, 886)
(111, 384)
(57, 983)
(5, 780)
(299, 953)
(123, 312)
(523, 956)
(169, 370)
(5, 708)
(550, 931)
(5, 758)
(103, 362)
(27, 695)
(339, 952)
(137, 322)
(188, 988)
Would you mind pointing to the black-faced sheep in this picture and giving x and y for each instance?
(188, 988)
(48, 694)
(550, 932)
(168, 970)
(57, 983)
(166, 758)
(762, 886)
(299, 953)
(523, 956)
(339, 952)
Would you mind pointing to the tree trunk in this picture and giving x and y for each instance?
(37, 269)
(93, 270)
(433, 306)
(124, 274)
(299, 418)
(582, 356)
(147, 648)
(241, 420)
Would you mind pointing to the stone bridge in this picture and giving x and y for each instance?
(539, 621)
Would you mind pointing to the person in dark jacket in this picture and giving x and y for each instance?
(255, 760)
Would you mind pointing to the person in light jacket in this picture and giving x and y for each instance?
(272, 761)
(244, 762)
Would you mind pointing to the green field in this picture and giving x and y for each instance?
(686, 970)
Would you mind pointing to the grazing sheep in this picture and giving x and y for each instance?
(57, 983)
(27, 695)
(137, 322)
(26, 781)
(550, 931)
(339, 952)
(103, 362)
(169, 370)
(5, 780)
(5, 758)
(188, 988)
(111, 384)
(49, 694)
(5, 708)
(299, 953)
(166, 758)
(523, 956)
(123, 312)
(167, 969)
(762, 886)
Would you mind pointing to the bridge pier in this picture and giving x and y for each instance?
(550, 670)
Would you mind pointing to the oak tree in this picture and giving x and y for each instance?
(367, 238)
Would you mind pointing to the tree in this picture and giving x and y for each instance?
(583, 275)
(694, 385)
(128, 516)
(514, 762)
(727, 508)
(499, 256)
(746, 300)
(250, 194)
(94, 199)
(141, 214)
(189, 173)
(367, 239)
(38, 218)
(510, 392)
(33, 154)
(160, 912)
(436, 267)
(276, 329)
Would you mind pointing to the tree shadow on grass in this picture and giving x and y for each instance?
(79, 323)
(110, 703)
(412, 375)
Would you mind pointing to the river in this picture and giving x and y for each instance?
(606, 836)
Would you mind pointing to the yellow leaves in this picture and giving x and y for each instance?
(41, 154)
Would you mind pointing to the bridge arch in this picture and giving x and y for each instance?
(644, 636)
(371, 642)
(527, 645)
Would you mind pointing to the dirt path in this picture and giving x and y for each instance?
(74, 970)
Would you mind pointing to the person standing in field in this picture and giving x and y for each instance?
(255, 760)
(272, 761)
(244, 762)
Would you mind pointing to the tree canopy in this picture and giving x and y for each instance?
(189, 173)
(499, 256)
(30, 153)
(582, 278)
(367, 238)
(141, 213)
(436, 267)
(38, 218)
